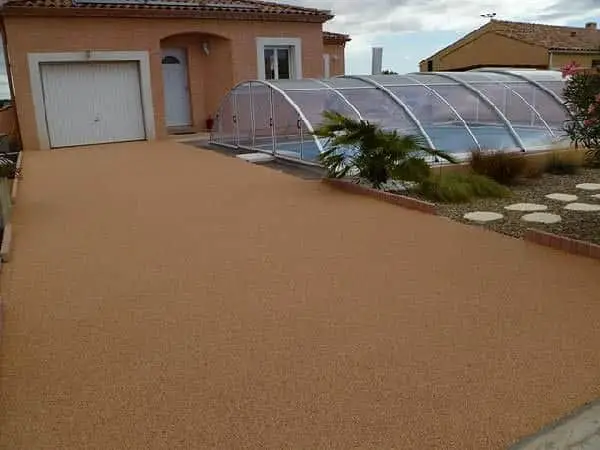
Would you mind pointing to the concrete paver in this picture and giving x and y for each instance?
(578, 431)
(163, 297)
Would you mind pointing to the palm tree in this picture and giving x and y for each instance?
(364, 149)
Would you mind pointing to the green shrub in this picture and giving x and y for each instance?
(374, 154)
(582, 99)
(504, 167)
(460, 188)
(562, 163)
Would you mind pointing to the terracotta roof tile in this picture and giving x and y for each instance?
(335, 38)
(253, 7)
(549, 36)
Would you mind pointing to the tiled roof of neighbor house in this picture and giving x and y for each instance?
(551, 37)
(234, 9)
(335, 38)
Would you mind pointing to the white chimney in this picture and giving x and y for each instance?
(376, 60)
(591, 26)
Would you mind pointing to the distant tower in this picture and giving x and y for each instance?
(376, 60)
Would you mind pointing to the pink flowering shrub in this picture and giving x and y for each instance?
(582, 98)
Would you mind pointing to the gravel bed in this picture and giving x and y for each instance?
(578, 225)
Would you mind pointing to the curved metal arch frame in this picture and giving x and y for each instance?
(533, 108)
(450, 107)
(342, 96)
(399, 102)
(534, 83)
(219, 113)
(486, 100)
(292, 103)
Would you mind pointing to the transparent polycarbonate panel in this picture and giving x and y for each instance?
(378, 107)
(538, 75)
(286, 85)
(558, 87)
(314, 103)
(392, 80)
(226, 125)
(431, 79)
(263, 119)
(310, 149)
(345, 83)
(553, 112)
(485, 123)
(523, 117)
(243, 101)
(443, 126)
(287, 126)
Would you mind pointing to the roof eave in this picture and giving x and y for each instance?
(463, 40)
(165, 13)
(573, 50)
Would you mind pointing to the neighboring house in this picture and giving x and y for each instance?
(519, 45)
(95, 71)
(334, 56)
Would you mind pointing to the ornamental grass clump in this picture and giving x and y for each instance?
(506, 168)
(460, 188)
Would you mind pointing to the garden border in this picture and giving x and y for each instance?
(532, 235)
(563, 243)
(396, 199)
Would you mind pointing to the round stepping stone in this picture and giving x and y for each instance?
(482, 216)
(588, 207)
(526, 207)
(541, 217)
(589, 186)
(562, 197)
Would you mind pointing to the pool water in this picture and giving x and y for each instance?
(455, 138)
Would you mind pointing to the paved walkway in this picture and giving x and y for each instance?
(164, 297)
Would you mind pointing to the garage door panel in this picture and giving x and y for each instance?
(92, 103)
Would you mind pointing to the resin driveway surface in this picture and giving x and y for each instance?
(165, 297)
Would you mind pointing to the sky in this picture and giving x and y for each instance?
(412, 30)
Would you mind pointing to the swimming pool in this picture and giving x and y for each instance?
(455, 138)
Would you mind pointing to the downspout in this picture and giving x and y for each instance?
(11, 88)
(550, 65)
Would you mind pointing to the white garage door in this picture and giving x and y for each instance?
(92, 103)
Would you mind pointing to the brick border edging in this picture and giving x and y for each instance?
(563, 243)
(396, 199)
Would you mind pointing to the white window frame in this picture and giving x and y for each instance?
(295, 45)
(35, 79)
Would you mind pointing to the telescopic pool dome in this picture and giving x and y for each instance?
(453, 111)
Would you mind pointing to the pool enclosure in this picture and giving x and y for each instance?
(452, 111)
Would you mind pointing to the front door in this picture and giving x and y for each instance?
(177, 94)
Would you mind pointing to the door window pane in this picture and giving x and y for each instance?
(269, 61)
(283, 63)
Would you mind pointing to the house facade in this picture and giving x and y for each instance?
(97, 71)
(519, 45)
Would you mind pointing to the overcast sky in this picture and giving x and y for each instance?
(411, 30)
